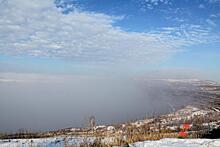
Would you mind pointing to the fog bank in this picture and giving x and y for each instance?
(47, 102)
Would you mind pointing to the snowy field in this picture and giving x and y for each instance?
(44, 142)
(170, 142)
(62, 141)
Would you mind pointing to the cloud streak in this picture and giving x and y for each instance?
(151, 4)
(39, 28)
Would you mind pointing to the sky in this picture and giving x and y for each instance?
(64, 60)
(111, 37)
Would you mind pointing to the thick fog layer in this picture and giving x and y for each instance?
(53, 102)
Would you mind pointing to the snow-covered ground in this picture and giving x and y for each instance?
(62, 141)
(45, 142)
(171, 142)
(59, 141)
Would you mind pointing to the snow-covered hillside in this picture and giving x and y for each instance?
(69, 141)
(171, 142)
(45, 142)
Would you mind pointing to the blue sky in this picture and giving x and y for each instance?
(112, 36)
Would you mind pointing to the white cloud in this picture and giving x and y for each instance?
(38, 28)
(211, 22)
(201, 6)
(151, 4)
(156, 2)
(213, 1)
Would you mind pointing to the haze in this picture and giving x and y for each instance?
(46, 102)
